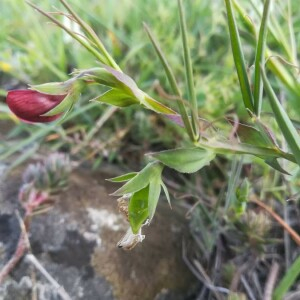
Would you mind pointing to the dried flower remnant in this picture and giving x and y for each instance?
(130, 240)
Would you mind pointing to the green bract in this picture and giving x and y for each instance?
(185, 160)
(144, 189)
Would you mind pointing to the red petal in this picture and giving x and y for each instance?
(29, 105)
(41, 119)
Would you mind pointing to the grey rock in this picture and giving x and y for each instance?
(76, 241)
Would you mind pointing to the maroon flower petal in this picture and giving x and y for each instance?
(30, 105)
(41, 119)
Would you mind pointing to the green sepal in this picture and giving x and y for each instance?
(126, 83)
(68, 102)
(54, 88)
(117, 98)
(100, 76)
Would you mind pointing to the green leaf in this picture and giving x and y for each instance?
(166, 193)
(122, 178)
(185, 160)
(273, 162)
(260, 58)
(157, 106)
(250, 135)
(266, 133)
(138, 209)
(154, 193)
(173, 83)
(285, 124)
(116, 97)
(228, 147)
(189, 71)
(141, 180)
(288, 280)
(238, 57)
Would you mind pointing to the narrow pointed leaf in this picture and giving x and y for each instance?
(166, 193)
(93, 36)
(76, 37)
(238, 57)
(228, 147)
(138, 209)
(185, 160)
(260, 58)
(173, 83)
(288, 280)
(188, 71)
(273, 162)
(122, 178)
(154, 193)
(285, 124)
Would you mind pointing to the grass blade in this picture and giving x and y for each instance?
(83, 42)
(287, 281)
(260, 58)
(90, 32)
(189, 71)
(238, 57)
(285, 124)
(293, 42)
(173, 83)
(274, 64)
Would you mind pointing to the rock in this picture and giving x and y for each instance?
(76, 241)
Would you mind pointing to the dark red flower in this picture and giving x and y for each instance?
(30, 106)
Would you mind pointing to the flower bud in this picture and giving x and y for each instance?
(30, 106)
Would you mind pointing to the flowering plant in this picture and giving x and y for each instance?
(48, 102)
